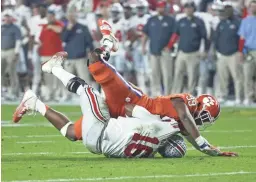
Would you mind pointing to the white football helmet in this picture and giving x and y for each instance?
(173, 147)
(142, 7)
(116, 11)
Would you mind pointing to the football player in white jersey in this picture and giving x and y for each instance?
(118, 23)
(137, 136)
(141, 64)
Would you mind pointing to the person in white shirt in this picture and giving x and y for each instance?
(118, 25)
(35, 25)
(141, 64)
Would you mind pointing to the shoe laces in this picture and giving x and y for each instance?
(58, 59)
(29, 111)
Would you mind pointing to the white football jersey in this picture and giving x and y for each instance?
(133, 137)
(139, 136)
(118, 30)
(139, 22)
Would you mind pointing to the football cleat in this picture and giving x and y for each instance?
(55, 61)
(108, 41)
(28, 103)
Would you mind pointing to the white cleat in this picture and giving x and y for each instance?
(55, 61)
(28, 103)
(108, 41)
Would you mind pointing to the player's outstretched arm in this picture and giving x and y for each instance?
(214, 150)
(194, 136)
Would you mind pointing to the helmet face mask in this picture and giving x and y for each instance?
(204, 120)
(207, 112)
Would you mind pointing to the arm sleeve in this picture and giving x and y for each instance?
(144, 114)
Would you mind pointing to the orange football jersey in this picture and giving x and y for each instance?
(163, 106)
(118, 92)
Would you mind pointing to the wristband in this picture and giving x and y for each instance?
(200, 141)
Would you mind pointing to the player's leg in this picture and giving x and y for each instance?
(94, 109)
(93, 106)
(31, 103)
(116, 89)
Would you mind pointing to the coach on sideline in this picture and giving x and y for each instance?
(226, 42)
(190, 30)
(158, 30)
(50, 44)
(247, 32)
(77, 40)
(10, 47)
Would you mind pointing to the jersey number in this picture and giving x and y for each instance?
(134, 149)
(191, 100)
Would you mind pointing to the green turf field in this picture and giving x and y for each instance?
(34, 151)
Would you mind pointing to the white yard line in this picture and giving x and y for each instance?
(34, 142)
(42, 153)
(82, 152)
(32, 136)
(30, 153)
(141, 177)
(25, 125)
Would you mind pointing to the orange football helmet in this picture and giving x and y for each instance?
(207, 112)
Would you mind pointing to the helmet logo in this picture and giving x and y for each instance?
(208, 101)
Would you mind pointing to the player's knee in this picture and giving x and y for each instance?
(96, 55)
(74, 84)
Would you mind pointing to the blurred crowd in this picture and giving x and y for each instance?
(166, 47)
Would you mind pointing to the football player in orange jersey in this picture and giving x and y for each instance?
(123, 104)
(191, 113)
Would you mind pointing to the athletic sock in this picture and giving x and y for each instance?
(41, 107)
(62, 75)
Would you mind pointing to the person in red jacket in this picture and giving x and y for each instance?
(51, 43)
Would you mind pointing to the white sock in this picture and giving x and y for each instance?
(41, 107)
(62, 75)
